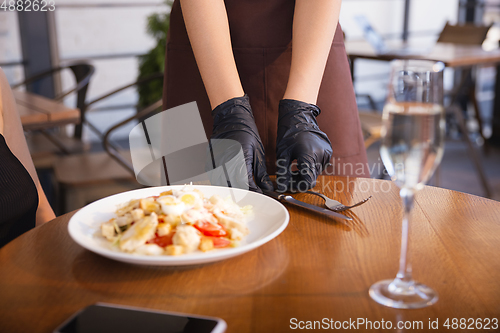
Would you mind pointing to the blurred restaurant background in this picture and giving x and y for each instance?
(115, 43)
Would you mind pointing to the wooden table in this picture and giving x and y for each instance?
(317, 268)
(452, 55)
(38, 112)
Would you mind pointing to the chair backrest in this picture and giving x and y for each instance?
(113, 150)
(83, 73)
(139, 82)
(467, 34)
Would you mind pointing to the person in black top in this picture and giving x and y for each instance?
(23, 204)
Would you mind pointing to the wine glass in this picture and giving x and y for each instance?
(412, 147)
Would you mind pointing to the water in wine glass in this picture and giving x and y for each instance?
(412, 147)
(413, 142)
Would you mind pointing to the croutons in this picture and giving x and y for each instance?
(174, 250)
(169, 192)
(149, 205)
(163, 229)
(206, 244)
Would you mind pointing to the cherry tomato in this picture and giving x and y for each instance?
(210, 229)
(220, 242)
(162, 241)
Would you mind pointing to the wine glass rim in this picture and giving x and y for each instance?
(418, 65)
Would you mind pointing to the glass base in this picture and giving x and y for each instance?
(402, 295)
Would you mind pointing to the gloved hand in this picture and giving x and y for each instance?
(233, 120)
(299, 138)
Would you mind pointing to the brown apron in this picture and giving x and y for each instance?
(261, 34)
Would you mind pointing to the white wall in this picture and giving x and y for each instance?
(10, 48)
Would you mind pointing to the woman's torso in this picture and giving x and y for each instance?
(18, 196)
(261, 34)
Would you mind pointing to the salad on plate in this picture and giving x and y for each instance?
(176, 222)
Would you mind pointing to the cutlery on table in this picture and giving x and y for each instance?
(289, 199)
(335, 205)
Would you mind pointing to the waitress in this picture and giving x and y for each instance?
(285, 104)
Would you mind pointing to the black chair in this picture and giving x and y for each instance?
(83, 73)
(88, 106)
(114, 150)
(465, 34)
(85, 177)
(465, 89)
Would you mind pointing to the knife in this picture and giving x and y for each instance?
(286, 198)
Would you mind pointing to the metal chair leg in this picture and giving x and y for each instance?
(475, 104)
(472, 152)
(436, 176)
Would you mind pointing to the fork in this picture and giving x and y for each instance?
(335, 205)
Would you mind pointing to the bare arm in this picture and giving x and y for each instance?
(314, 25)
(1, 117)
(208, 30)
(11, 129)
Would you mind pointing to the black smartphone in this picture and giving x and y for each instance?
(108, 318)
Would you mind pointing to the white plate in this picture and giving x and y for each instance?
(271, 218)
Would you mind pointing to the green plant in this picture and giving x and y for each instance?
(154, 61)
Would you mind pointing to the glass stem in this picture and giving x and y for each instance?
(404, 273)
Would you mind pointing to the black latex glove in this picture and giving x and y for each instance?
(299, 138)
(234, 120)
